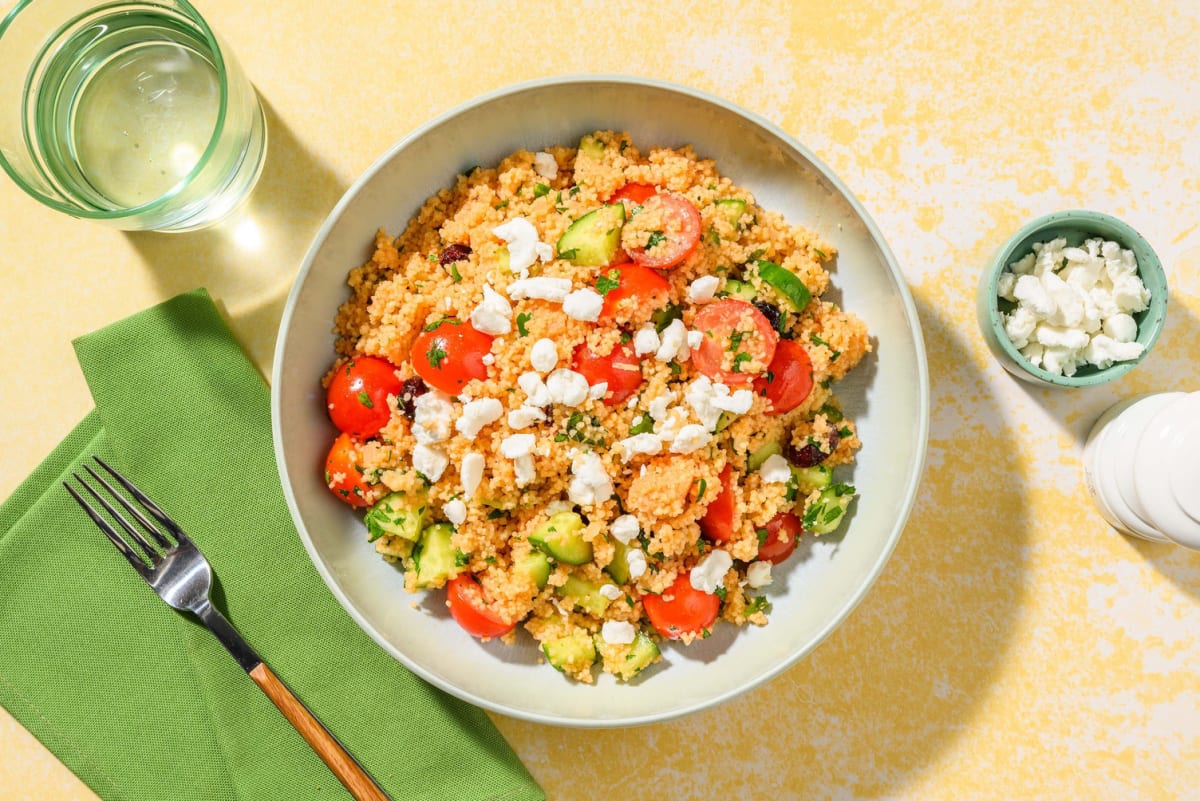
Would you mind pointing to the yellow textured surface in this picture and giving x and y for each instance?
(1015, 646)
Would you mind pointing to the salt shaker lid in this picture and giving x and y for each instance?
(1167, 470)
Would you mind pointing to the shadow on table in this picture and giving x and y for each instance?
(876, 705)
(248, 262)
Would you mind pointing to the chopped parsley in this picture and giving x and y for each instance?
(501, 204)
(643, 425)
(522, 319)
(656, 238)
(461, 559)
(758, 604)
(455, 274)
(436, 354)
(607, 283)
(365, 400)
(496, 514)
(738, 359)
(720, 592)
(540, 189)
(703, 487)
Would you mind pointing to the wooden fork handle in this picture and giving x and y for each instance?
(349, 772)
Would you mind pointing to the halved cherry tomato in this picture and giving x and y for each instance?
(634, 195)
(343, 474)
(620, 369)
(470, 609)
(789, 377)
(357, 396)
(738, 342)
(774, 549)
(450, 355)
(689, 611)
(717, 523)
(637, 288)
(677, 246)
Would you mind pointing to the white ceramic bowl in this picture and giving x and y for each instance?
(888, 395)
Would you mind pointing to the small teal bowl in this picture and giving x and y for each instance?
(1075, 226)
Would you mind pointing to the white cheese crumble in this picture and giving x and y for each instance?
(493, 315)
(637, 562)
(695, 339)
(658, 406)
(534, 388)
(567, 387)
(674, 344)
(519, 448)
(709, 572)
(758, 575)
(470, 472)
(644, 443)
(1066, 297)
(598, 391)
(432, 414)
(646, 340)
(703, 289)
(524, 470)
(624, 528)
(583, 304)
(775, 470)
(589, 483)
(430, 461)
(690, 438)
(525, 416)
(545, 165)
(540, 288)
(488, 359)
(543, 355)
(455, 511)
(617, 632)
(611, 592)
(524, 247)
(477, 414)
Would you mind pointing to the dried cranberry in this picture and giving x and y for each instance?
(454, 253)
(412, 389)
(811, 454)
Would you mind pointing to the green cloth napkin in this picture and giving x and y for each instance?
(140, 701)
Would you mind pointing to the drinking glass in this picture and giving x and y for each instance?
(132, 114)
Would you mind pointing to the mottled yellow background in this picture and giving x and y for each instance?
(1015, 646)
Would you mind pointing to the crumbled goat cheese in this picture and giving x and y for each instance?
(644, 443)
(589, 483)
(515, 446)
(524, 247)
(493, 315)
(690, 438)
(709, 572)
(617, 632)
(658, 406)
(477, 414)
(775, 470)
(758, 575)
(583, 304)
(470, 472)
(543, 355)
(703, 289)
(488, 359)
(646, 340)
(432, 414)
(598, 391)
(540, 288)
(695, 339)
(430, 461)
(525, 416)
(611, 592)
(455, 511)
(637, 562)
(624, 528)
(535, 389)
(674, 343)
(567, 387)
(545, 165)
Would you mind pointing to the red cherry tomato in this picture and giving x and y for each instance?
(677, 246)
(739, 342)
(620, 369)
(450, 355)
(343, 474)
(633, 195)
(689, 611)
(637, 288)
(789, 377)
(357, 396)
(718, 520)
(774, 549)
(470, 609)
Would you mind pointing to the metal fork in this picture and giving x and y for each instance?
(181, 576)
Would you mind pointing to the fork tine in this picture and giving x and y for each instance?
(150, 528)
(116, 539)
(150, 506)
(151, 554)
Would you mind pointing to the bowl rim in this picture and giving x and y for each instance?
(921, 370)
(1155, 312)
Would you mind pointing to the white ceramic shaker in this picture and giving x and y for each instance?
(1141, 464)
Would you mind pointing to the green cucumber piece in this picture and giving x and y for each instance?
(762, 453)
(790, 288)
(397, 515)
(537, 566)
(593, 239)
(561, 537)
(642, 653)
(618, 568)
(732, 209)
(584, 594)
(740, 290)
(591, 147)
(572, 653)
(434, 556)
(811, 478)
(826, 513)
